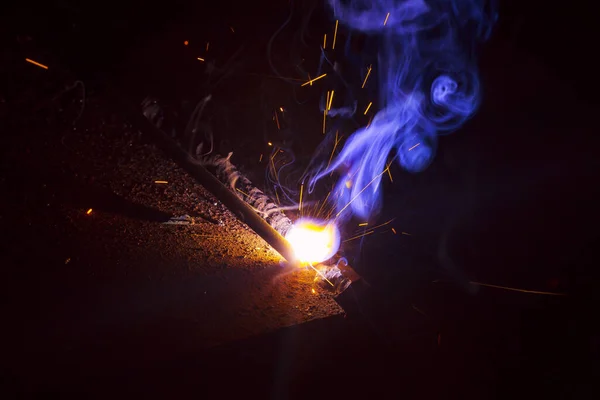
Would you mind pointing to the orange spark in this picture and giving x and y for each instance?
(369, 106)
(414, 146)
(277, 120)
(277, 195)
(261, 157)
(325, 112)
(232, 30)
(313, 290)
(324, 41)
(335, 34)
(270, 144)
(207, 43)
(367, 77)
(201, 59)
(161, 182)
(321, 274)
(330, 101)
(393, 230)
(272, 165)
(242, 192)
(281, 109)
(359, 236)
(334, 147)
(359, 193)
(310, 82)
(301, 191)
(386, 18)
(384, 224)
(36, 63)
(88, 212)
(517, 290)
(185, 42)
(363, 224)
(370, 120)
(324, 202)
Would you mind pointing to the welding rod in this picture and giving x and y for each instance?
(244, 211)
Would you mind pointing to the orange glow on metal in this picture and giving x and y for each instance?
(36, 63)
(310, 82)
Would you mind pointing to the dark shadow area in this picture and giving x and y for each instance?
(68, 190)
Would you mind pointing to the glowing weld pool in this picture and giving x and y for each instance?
(313, 241)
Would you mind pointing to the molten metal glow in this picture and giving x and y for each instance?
(36, 63)
(314, 241)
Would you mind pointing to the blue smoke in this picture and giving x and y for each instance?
(428, 85)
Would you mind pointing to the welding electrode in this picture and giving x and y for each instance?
(243, 210)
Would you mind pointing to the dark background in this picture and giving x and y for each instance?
(510, 200)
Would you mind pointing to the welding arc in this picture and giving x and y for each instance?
(242, 210)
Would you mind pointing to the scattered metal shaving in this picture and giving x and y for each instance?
(331, 273)
(181, 220)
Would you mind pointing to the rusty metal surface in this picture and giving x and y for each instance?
(193, 285)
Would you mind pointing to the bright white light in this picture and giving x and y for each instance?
(313, 241)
